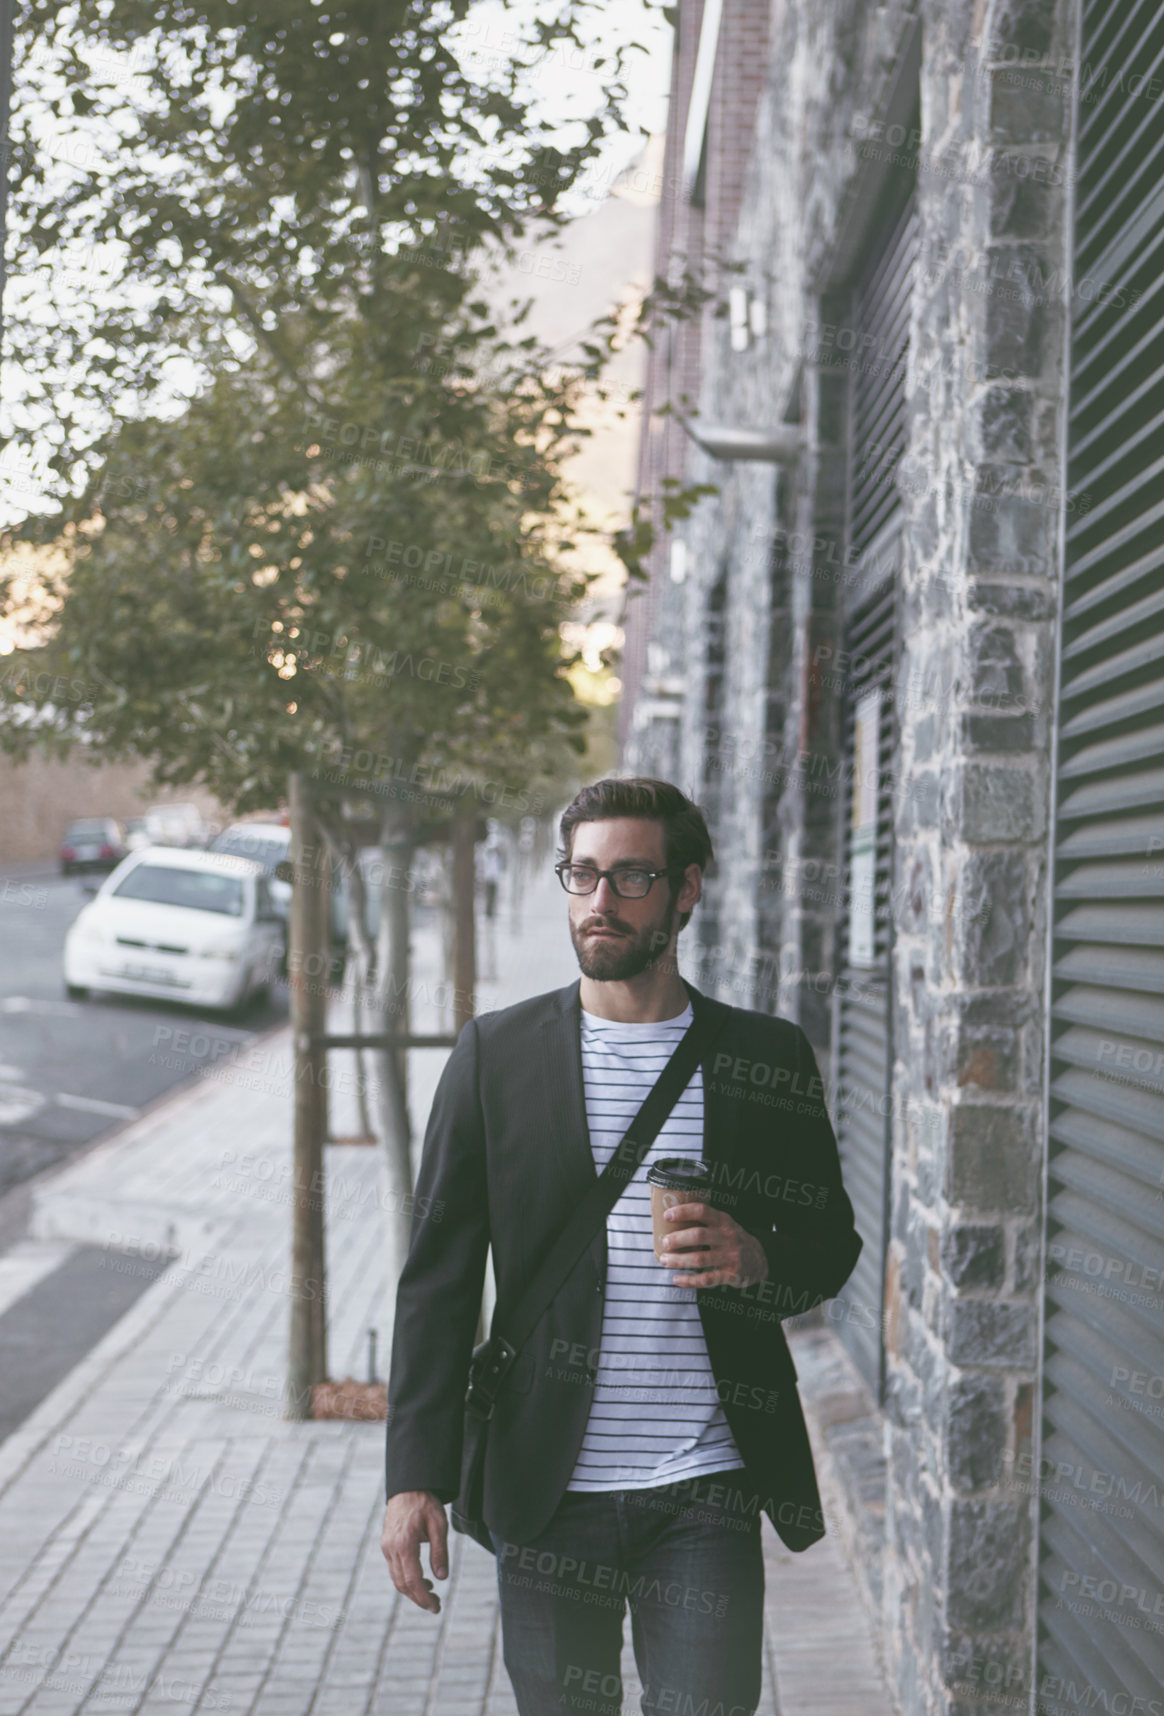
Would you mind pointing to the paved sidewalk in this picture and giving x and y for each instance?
(169, 1543)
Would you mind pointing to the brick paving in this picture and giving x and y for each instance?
(170, 1543)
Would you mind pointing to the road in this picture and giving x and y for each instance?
(69, 1070)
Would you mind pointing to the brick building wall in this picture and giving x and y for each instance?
(38, 798)
(691, 236)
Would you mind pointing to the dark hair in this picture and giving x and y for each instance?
(685, 836)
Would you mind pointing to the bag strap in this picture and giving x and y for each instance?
(589, 1213)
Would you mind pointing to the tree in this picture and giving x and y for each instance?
(354, 536)
(268, 172)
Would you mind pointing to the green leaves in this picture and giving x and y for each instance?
(349, 538)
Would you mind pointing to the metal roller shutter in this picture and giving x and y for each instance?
(862, 1022)
(1101, 1471)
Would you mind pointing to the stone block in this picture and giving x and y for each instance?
(921, 799)
(991, 1160)
(987, 1569)
(1027, 107)
(1001, 803)
(1011, 1009)
(1008, 534)
(913, 1261)
(974, 1256)
(985, 1667)
(976, 1431)
(1015, 327)
(1012, 601)
(933, 1525)
(1021, 29)
(996, 673)
(913, 911)
(1000, 423)
(927, 733)
(1020, 208)
(992, 1332)
(987, 1057)
(1027, 1257)
(994, 916)
(998, 733)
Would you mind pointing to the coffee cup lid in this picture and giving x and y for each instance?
(676, 1173)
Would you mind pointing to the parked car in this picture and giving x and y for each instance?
(187, 926)
(92, 843)
(137, 834)
(269, 844)
(176, 825)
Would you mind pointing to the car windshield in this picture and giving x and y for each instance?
(265, 852)
(91, 830)
(200, 890)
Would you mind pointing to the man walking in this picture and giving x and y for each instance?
(652, 1414)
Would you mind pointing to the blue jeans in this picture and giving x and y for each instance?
(686, 1557)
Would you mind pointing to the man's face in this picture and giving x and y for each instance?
(616, 939)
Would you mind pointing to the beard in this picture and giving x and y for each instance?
(618, 961)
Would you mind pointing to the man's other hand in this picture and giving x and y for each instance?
(411, 1518)
(723, 1253)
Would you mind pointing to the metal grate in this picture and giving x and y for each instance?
(862, 1016)
(1102, 1461)
(881, 332)
(862, 1019)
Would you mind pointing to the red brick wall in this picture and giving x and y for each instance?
(687, 234)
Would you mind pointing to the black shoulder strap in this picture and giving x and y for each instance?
(591, 1211)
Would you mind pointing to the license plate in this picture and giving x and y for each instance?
(84, 853)
(148, 973)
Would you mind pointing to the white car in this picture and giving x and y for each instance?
(176, 825)
(188, 926)
(268, 843)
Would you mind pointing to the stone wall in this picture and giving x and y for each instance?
(973, 694)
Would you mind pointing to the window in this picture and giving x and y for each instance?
(197, 890)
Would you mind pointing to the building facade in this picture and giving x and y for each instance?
(910, 657)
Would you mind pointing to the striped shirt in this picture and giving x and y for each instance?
(655, 1416)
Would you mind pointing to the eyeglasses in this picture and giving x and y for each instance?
(628, 881)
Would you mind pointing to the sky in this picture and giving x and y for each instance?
(566, 83)
(567, 87)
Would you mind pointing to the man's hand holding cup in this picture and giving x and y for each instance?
(691, 1235)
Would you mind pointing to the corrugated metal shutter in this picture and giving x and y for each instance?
(1101, 1473)
(862, 1031)
(862, 1023)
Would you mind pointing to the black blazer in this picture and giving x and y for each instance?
(506, 1156)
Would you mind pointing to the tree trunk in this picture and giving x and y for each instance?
(390, 1010)
(464, 909)
(345, 858)
(362, 957)
(307, 1336)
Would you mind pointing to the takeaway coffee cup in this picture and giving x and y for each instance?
(675, 1180)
